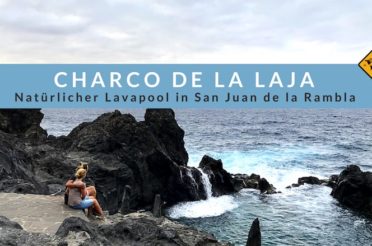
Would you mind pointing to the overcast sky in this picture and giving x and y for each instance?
(184, 31)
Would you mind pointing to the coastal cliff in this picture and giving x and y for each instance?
(148, 157)
(141, 159)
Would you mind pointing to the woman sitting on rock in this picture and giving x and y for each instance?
(91, 190)
(79, 197)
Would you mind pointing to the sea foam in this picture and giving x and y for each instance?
(213, 206)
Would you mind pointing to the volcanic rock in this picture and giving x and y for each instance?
(17, 168)
(163, 125)
(5, 222)
(11, 233)
(265, 187)
(220, 179)
(225, 183)
(25, 123)
(354, 189)
(332, 181)
(149, 156)
(254, 236)
(132, 229)
(314, 181)
(136, 229)
(242, 181)
(309, 180)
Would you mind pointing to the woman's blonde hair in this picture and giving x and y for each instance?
(81, 173)
(83, 165)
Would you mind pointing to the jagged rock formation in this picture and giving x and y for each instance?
(13, 234)
(17, 169)
(221, 180)
(254, 235)
(148, 156)
(24, 123)
(331, 182)
(225, 183)
(132, 229)
(136, 229)
(354, 189)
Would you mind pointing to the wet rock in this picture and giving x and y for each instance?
(309, 180)
(225, 183)
(332, 181)
(254, 236)
(265, 187)
(312, 181)
(220, 179)
(243, 181)
(354, 189)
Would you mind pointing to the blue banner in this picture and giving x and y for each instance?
(184, 86)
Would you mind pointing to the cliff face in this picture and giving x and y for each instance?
(149, 156)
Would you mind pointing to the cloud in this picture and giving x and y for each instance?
(164, 31)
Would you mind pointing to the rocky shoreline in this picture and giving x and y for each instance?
(148, 156)
(131, 229)
(131, 163)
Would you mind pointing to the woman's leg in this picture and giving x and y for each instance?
(97, 207)
(91, 191)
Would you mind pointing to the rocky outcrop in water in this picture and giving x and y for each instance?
(225, 183)
(132, 229)
(242, 181)
(221, 180)
(315, 181)
(254, 235)
(265, 187)
(354, 189)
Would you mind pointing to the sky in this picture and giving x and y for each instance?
(184, 31)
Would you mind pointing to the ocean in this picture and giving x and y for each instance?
(280, 145)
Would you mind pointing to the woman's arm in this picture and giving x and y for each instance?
(83, 191)
(71, 184)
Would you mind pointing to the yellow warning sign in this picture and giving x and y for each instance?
(366, 64)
